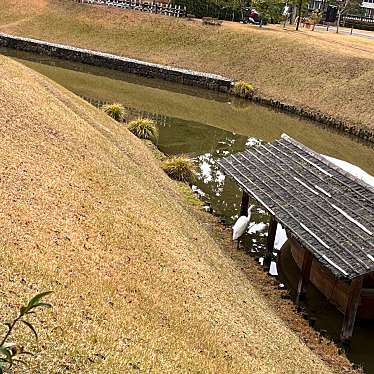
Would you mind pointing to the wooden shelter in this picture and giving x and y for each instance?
(327, 211)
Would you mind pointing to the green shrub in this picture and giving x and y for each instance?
(180, 168)
(243, 89)
(116, 111)
(212, 8)
(144, 128)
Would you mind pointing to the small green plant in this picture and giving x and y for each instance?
(10, 351)
(180, 168)
(116, 111)
(243, 89)
(144, 128)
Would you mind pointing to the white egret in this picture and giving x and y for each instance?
(241, 225)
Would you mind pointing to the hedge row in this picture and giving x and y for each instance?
(209, 8)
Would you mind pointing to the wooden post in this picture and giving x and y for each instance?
(270, 242)
(245, 204)
(304, 276)
(351, 309)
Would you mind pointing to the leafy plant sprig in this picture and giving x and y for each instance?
(11, 351)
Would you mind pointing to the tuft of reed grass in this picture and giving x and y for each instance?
(116, 111)
(144, 128)
(243, 89)
(181, 168)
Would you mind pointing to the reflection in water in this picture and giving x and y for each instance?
(257, 227)
(207, 126)
(224, 195)
(206, 145)
(193, 105)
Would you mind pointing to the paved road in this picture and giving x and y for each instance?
(345, 31)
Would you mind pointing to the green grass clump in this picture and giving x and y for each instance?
(116, 111)
(144, 128)
(180, 168)
(189, 195)
(243, 89)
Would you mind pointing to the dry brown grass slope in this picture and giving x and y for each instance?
(138, 283)
(17, 11)
(323, 71)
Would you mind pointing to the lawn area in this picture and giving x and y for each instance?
(140, 284)
(16, 11)
(322, 71)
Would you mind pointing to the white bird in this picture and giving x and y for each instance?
(241, 225)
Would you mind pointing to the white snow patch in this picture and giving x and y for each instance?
(352, 169)
(257, 227)
(252, 141)
(273, 269)
(280, 237)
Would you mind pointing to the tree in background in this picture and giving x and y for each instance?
(200, 8)
(301, 6)
(344, 7)
(316, 17)
(239, 6)
(268, 9)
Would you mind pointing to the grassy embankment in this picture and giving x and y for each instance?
(325, 72)
(140, 285)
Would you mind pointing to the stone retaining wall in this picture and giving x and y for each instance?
(323, 118)
(183, 76)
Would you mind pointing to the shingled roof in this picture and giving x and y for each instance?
(327, 210)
